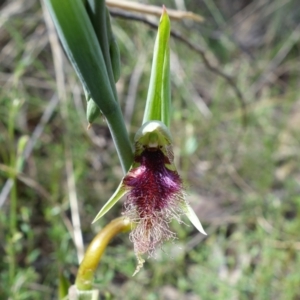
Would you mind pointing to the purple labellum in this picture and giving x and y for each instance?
(154, 198)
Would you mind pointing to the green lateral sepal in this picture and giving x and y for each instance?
(194, 219)
(118, 194)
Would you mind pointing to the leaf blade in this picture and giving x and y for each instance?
(74, 28)
(81, 45)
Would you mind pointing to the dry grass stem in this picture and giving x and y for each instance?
(153, 10)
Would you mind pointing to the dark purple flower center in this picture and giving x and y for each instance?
(154, 198)
(152, 184)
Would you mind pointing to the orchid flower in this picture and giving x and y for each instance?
(155, 192)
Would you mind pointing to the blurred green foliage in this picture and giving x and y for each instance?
(244, 183)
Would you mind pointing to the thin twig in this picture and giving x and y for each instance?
(268, 74)
(198, 49)
(153, 10)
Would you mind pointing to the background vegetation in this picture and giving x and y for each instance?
(243, 182)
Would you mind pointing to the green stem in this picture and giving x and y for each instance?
(88, 266)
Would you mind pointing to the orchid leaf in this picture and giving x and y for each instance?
(81, 45)
(80, 42)
(194, 219)
(118, 194)
(158, 98)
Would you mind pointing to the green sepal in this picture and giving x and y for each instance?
(118, 194)
(194, 219)
(158, 98)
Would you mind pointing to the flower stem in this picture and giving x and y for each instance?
(88, 266)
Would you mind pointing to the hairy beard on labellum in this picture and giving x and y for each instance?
(155, 197)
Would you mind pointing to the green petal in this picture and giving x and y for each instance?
(194, 219)
(118, 194)
(155, 134)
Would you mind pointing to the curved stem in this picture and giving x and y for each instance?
(88, 266)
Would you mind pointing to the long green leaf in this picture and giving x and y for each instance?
(158, 98)
(81, 45)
